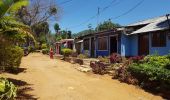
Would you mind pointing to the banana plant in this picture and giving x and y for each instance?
(11, 6)
(10, 28)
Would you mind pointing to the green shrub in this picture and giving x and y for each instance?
(82, 56)
(10, 57)
(44, 46)
(66, 52)
(152, 69)
(103, 59)
(31, 49)
(37, 47)
(8, 91)
(45, 51)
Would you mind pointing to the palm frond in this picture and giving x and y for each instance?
(13, 28)
(11, 6)
(17, 5)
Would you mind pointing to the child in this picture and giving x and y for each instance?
(51, 53)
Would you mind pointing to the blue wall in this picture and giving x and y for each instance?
(129, 45)
(102, 52)
(125, 40)
(133, 45)
(159, 50)
(107, 52)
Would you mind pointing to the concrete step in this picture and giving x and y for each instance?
(82, 69)
(87, 61)
(85, 66)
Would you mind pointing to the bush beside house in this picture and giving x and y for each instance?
(45, 49)
(150, 72)
(66, 53)
(10, 57)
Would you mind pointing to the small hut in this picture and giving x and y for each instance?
(64, 43)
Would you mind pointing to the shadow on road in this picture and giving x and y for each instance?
(23, 89)
(163, 93)
(16, 71)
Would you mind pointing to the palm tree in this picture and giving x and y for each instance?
(57, 27)
(10, 28)
(11, 6)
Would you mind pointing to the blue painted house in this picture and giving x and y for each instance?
(141, 38)
(102, 43)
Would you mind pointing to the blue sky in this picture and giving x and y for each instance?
(75, 12)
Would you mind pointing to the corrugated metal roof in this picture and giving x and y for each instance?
(66, 40)
(148, 21)
(80, 41)
(159, 24)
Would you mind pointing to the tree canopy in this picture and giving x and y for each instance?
(10, 28)
(56, 27)
(106, 25)
(36, 15)
(38, 11)
(11, 6)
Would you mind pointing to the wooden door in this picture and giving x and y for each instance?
(92, 47)
(143, 44)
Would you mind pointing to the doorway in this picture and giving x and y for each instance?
(143, 44)
(113, 44)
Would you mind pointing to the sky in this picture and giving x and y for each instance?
(73, 15)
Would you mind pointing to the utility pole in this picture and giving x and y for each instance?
(98, 15)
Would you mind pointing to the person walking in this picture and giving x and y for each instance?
(51, 53)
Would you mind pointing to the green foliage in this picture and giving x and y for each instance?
(10, 29)
(37, 46)
(8, 91)
(11, 6)
(56, 27)
(84, 32)
(66, 52)
(44, 46)
(14, 31)
(82, 56)
(41, 29)
(69, 35)
(107, 25)
(45, 51)
(58, 38)
(104, 59)
(31, 49)
(42, 38)
(64, 34)
(10, 57)
(152, 68)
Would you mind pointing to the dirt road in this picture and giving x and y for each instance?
(47, 79)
